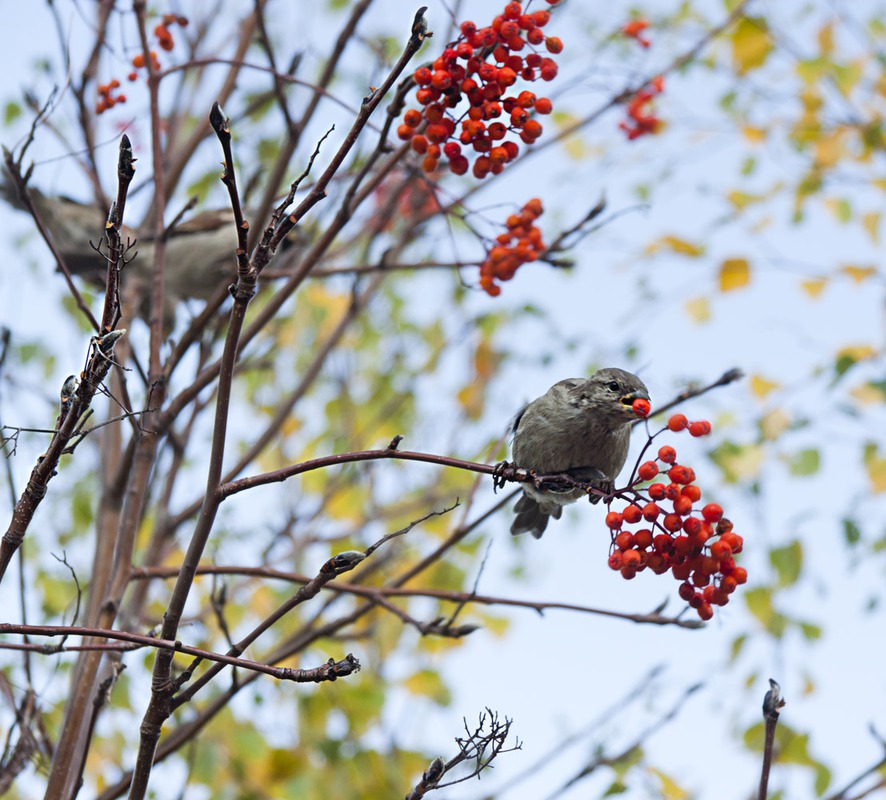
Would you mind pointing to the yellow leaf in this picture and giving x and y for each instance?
(761, 387)
(867, 394)
(814, 287)
(751, 44)
(858, 274)
(826, 38)
(676, 245)
(485, 360)
(856, 352)
(699, 309)
(841, 209)
(734, 274)
(876, 466)
(774, 424)
(871, 223)
(829, 148)
(753, 134)
(471, 399)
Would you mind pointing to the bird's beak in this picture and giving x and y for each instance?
(628, 399)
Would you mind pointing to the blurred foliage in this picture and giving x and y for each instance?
(803, 97)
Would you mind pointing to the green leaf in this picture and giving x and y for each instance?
(11, 112)
(851, 531)
(738, 644)
(428, 683)
(806, 462)
(751, 44)
(788, 562)
(759, 603)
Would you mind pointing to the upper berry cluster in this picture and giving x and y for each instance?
(483, 67)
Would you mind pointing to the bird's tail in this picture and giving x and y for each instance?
(530, 518)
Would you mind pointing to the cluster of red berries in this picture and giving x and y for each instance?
(462, 71)
(138, 61)
(518, 245)
(163, 34)
(634, 30)
(106, 97)
(696, 545)
(641, 120)
(164, 41)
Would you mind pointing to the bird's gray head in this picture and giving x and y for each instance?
(609, 393)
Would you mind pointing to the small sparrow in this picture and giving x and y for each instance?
(580, 427)
(200, 252)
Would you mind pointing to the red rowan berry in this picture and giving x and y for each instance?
(662, 543)
(614, 520)
(701, 579)
(672, 491)
(692, 527)
(692, 492)
(554, 44)
(631, 558)
(682, 505)
(681, 474)
(616, 560)
(735, 542)
(632, 514)
(640, 406)
(643, 538)
(705, 611)
(657, 563)
(681, 571)
(548, 72)
(441, 80)
(672, 523)
(728, 584)
(712, 512)
(647, 471)
(404, 132)
(512, 11)
(419, 144)
(667, 454)
(656, 491)
(700, 428)
(624, 540)
(651, 512)
(740, 574)
(541, 18)
(682, 546)
(686, 591)
(459, 165)
(677, 422)
(720, 550)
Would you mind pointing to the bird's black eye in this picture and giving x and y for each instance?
(613, 386)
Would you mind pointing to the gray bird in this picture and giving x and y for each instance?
(581, 427)
(200, 252)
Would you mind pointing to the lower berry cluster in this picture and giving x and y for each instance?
(664, 528)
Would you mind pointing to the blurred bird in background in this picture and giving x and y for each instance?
(200, 251)
(580, 427)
